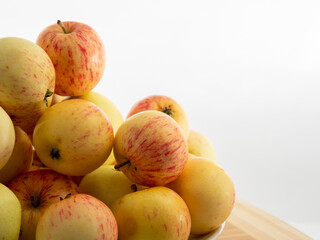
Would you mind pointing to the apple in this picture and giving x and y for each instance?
(155, 213)
(10, 214)
(112, 112)
(201, 146)
(107, 184)
(79, 217)
(27, 80)
(73, 137)
(150, 148)
(37, 190)
(78, 56)
(20, 159)
(208, 192)
(163, 104)
(7, 138)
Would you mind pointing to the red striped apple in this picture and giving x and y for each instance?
(150, 148)
(78, 56)
(79, 217)
(163, 104)
(27, 80)
(37, 190)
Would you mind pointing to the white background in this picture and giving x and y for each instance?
(246, 72)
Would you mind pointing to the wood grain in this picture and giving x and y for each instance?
(247, 222)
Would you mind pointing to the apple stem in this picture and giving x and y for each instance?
(35, 201)
(62, 26)
(167, 110)
(67, 196)
(117, 166)
(48, 94)
(134, 188)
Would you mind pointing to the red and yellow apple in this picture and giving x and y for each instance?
(73, 137)
(20, 159)
(7, 137)
(27, 80)
(163, 104)
(150, 148)
(112, 112)
(79, 217)
(78, 56)
(155, 213)
(37, 190)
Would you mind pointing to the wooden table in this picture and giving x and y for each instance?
(247, 222)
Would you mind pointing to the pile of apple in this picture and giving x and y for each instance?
(72, 168)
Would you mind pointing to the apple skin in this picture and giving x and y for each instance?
(79, 217)
(201, 146)
(163, 104)
(155, 213)
(112, 112)
(56, 99)
(73, 137)
(26, 76)
(155, 146)
(78, 56)
(10, 214)
(107, 184)
(7, 138)
(45, 187)
(20, 159)
(208, 192)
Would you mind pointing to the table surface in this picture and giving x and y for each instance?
(247, 222)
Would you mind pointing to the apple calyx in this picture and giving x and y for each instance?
(48, 94)
(134, 188)
(167, 110)
(55, 153)
(62, 26)
(119, 165)
(35, 201)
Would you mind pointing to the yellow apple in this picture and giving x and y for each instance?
(155, 213)
(80, 216)
(166, 105)
(27, 80)
(7, 137)
(112, 112)
(10, 214)
(208, 192)
(107, 184)
(150, 148)
(73, 137)
(201, 146)
(20, 159)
